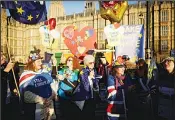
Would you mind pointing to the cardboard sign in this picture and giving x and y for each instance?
(79, 42)
(113, 33)
(49, 38)
(131, 42)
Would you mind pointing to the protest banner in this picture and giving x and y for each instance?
(127, 39)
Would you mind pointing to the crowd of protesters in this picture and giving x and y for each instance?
(145, 93)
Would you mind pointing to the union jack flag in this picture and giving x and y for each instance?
(25, 79)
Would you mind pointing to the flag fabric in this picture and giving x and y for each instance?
(38, 83)
(47, 63)
(32, 81)
(27, 12)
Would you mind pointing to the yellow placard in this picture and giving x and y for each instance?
(108, 56)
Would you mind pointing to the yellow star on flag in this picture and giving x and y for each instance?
(37, 15)
(140, 35)
(81, 72)
(29, 17)
(20, 10)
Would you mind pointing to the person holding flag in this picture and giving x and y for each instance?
(117, 85)
(36, 89)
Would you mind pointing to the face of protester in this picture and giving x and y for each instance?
(70, 62)
(169, 65)
(120, 70)
(140, 69)
(90, 64)
(38, 64)
(2, 59)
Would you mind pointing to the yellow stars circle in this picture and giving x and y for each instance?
(20, 10)
(29, 17)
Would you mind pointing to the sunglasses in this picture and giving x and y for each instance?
(91, 63)
(69, 60)
(168, 61)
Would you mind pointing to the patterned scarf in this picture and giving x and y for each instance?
(119, 80)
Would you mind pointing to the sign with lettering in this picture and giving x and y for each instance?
(130, 42)
(113, 33)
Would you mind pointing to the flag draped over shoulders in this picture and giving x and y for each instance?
(36, 82)
(25, 79)
(27, 12)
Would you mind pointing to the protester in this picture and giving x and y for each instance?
(166, 84)
(68, 77)
(14, 87)
(36, 90)
(101, 66)
(85, 91)
(145, 90)
(117, 85)
(8, 90)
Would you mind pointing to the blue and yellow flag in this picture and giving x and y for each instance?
(27, 12)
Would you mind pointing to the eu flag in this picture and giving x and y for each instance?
(27, 12)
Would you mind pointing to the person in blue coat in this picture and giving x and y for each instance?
(85, 92)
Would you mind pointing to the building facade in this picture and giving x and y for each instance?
(3, 30)
(22, 37)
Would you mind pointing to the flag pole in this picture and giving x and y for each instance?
(8, 52)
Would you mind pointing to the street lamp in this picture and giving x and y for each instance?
(147, 49)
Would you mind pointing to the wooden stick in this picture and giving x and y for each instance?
(13, 70)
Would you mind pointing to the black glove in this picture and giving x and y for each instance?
(69, 93)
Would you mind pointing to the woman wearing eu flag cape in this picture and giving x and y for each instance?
(36, 89)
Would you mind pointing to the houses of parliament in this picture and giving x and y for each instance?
(21, 37)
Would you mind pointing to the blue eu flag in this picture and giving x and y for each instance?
(27, 12)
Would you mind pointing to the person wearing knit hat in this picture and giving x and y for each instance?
(168, 64)
(168, 59)
(36, 89)
(116, 83)
(166, 90)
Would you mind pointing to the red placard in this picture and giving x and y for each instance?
(79, 42)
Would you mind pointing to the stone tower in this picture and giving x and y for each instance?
(56, 9)
(90, 6)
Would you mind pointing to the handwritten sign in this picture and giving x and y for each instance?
(113, 34)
